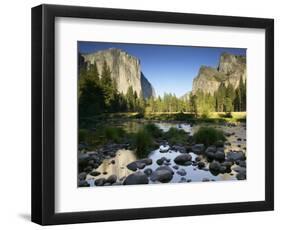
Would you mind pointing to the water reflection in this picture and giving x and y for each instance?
(117, 165)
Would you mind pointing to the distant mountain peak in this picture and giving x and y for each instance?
(230, 70)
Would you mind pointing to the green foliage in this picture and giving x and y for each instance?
(208, 136)
(114, 134)
(153, 130)
(176, 136)
(143, 143)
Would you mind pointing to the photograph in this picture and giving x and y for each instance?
(153, 114)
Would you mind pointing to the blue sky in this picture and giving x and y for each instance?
(169, 68)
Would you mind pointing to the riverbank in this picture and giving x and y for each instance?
(196, 162)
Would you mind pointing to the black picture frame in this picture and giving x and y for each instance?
(43, 110)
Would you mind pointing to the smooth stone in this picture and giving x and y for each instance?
(183, 159)
(82, 176)
(95, 173)
(83, 183)
(235, 156)
(242, 164)
(201, 164)
(100, 181)
(148, 171)
(175, 167)
(133, 166)
(198, 158)
(136, 178)
(164, 148)
(160, 161)
(205, 180)
(241, 176)
(111, 179)
(146, 161)
(239, 169)
(181, 172)
(214, 167)
(198, 148)
(182, 180)
(211, 148)
(162, 174)
(219, 155)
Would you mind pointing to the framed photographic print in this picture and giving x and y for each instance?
(142, 114)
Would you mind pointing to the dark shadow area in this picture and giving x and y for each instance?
(25, 216)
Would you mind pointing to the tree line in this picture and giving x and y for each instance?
(225, 99)
(98, 93)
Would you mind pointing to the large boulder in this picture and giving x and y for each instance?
(133, 166)
(111, 179)
(164, 148)
(198, 148)
(136, 178)
(163, 174)
(82, 176)
(219, 155)
(214, 167)
(139, 164)
(235, 156)
(100, 181)
(183, 159)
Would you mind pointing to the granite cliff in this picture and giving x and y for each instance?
(230, 70)
(125, 70)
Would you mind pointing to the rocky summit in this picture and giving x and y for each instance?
(125, 70)
(230, 70)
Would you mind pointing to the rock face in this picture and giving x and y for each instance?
(125, 70)
(230, 70)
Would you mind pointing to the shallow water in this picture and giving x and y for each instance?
(124, 157)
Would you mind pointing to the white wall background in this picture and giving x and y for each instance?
(15, 113)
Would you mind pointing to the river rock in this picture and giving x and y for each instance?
(136, 178)
(111, 179)
(214, 167)
(181, 172)
(219, 155)
(175, 167)
(133, 166)
(211, 148)
(95, 173)
(242, 164)
(183, 159)
(148, 171)
(227, 164)
(201, 164)
(82, 176)
(100, 181)
(146, 161)
(163, 174)
(83, 183)
(198, 158)
(235, 156)
(198, 148)
(160, 161)
(239, 169)
(179, 148)
(164, 148)
(241, 176)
